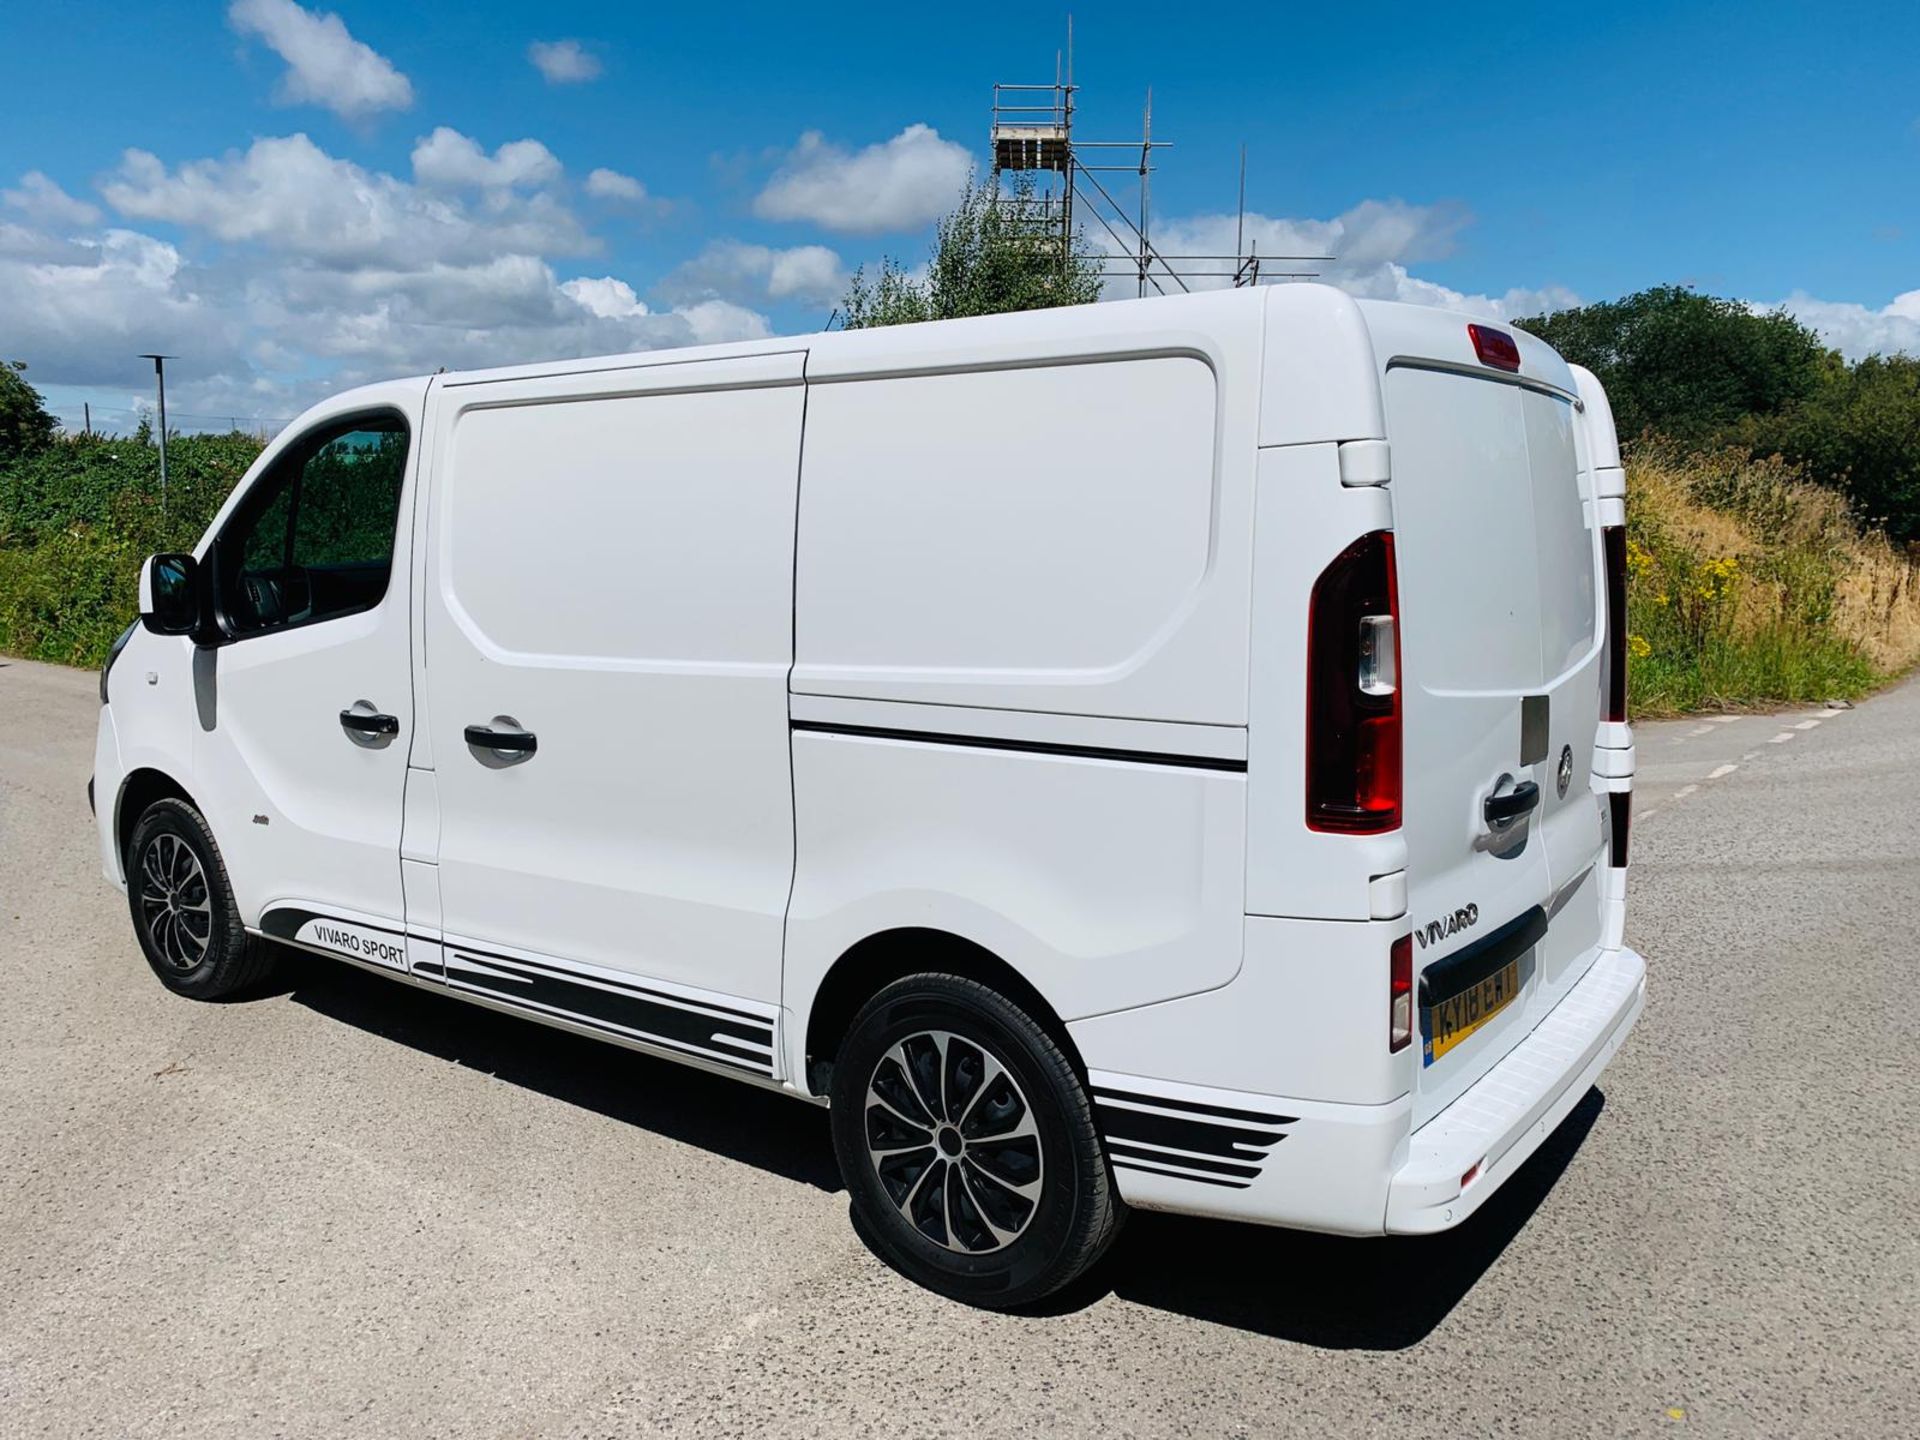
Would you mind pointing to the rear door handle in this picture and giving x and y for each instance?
(502, 742)
(361, 722)
(1502, 810)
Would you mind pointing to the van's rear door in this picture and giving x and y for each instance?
(1499, 610)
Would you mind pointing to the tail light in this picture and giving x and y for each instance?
(1613, 539)
(1353, 692)
(1620, 816)
(1400, 995)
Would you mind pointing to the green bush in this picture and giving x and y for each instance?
(77, 517)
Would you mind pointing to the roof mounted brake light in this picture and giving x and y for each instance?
(1494, 347)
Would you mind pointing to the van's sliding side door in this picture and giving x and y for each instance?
(607, 631)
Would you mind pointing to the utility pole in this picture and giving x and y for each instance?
(86, 416)
(160, 380)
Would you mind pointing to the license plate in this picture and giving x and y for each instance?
(1453, 1020)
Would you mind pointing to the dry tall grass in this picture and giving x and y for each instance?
(1748, 585)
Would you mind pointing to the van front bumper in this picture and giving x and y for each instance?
(1362, 1169)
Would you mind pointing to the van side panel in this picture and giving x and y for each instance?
(1020, 672)
(1066, 537)
(1105, 883)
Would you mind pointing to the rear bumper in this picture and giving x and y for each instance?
(1362, 1169)
(1503, 1119)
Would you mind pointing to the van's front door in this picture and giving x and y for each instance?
(608, 633)
(304, 715)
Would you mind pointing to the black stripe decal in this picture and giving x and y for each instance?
(1464, 969)
(1175, 1175)
(618, 1008)
(489, 958)
(763, 1068)
(1212, 1167)
(1026, 747)
(1204, 1137)
(1194, 1107)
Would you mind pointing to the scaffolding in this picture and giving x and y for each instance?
(1032, 135)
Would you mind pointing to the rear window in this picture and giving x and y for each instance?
(1495, 554)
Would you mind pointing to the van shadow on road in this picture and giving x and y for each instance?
(740, 1122)
(1324, 1290)
(1319, 1290)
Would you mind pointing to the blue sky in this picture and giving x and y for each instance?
(708, 173)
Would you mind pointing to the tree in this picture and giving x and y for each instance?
(1860, 431)
(1690, 366)
(25, 425)
(999, 250)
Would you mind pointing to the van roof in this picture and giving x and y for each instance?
(938, 344)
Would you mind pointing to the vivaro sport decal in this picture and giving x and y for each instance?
(351, 938)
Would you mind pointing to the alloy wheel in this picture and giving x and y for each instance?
(953, 1142)
(174, 904)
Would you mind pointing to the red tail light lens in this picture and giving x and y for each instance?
(1494, 347)
(1613, 540)
(1353, 692)
(1620, 814)
(1400, 995)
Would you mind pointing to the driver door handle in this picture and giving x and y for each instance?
(362, 723)
(502, 742)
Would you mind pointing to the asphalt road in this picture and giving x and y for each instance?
(348, 1209)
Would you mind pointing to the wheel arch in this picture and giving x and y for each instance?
(138, 790)
(870, 965)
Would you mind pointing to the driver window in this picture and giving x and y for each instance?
(318, 543)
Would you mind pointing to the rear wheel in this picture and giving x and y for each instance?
(967, 1144)
(184, 913)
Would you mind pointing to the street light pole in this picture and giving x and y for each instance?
(160, 380)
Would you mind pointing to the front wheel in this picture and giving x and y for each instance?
(184, 912)
(967, 1143)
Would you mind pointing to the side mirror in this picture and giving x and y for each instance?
(170, 594)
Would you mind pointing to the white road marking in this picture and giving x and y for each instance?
(1781, 738)
(1723, 772)
(1684, 791)
(1699, 730)
(1751, 755)
(1726, 719)
(1806, 724)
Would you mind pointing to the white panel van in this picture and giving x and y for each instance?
(1167, 754)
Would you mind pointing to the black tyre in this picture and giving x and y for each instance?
(183, 907)
(967, 1143)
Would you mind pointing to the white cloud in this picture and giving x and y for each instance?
(312, 273)
(289, 196)
(716, 322)
(449, 158)
(325, 64)
(81, 311)
(604, 184)
(44, 202)
(563, 62)
(1857, 331)
(732, 269)
(606, 297)
(1372, 245)
(900, 184)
